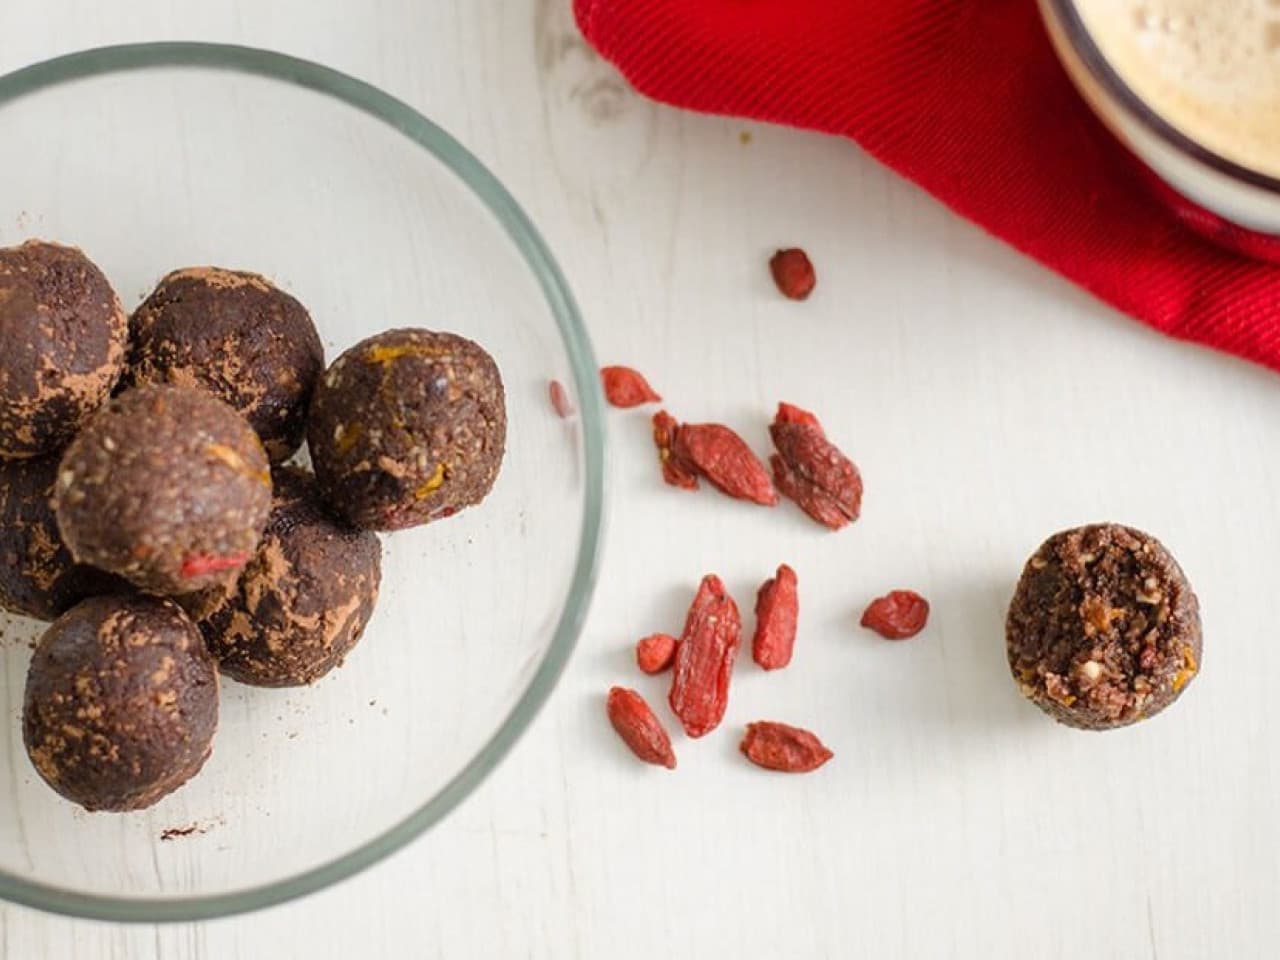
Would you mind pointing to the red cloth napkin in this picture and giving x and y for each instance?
(966, 98)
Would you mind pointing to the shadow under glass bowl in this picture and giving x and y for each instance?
(157, 156)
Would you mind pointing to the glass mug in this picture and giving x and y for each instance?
(1233, 205)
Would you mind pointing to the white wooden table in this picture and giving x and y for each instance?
(988, 403)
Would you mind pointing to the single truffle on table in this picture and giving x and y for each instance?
(304, 600)
(1104, 629)
(407, 427)
(62, 345)
(38, 577)
(167, 487)
(238, 336)
(121, 702)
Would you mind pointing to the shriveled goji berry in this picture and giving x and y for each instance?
(724, 458)
(805, 494)
(639, 728)
(793, 273)
(898, 615)
(790, 413)
(655, 653)
(560, 402)
(201, 564)
(777, 607)
(704, 659)
(624, 387)
(809, 469)
(777, 746)
(674, 470)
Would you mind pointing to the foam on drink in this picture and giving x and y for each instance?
(1211, 68)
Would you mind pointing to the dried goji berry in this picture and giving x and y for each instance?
(704, 659)
(202, 564)
(897, 616)
(560, 399)
(812, 471)
(639, 728)
(674, 470)
(624, 387)
(777, 746)
(777, 606)
(790, 413)
(806, 495)
(655, 653)
(724, 458)
(793, 273)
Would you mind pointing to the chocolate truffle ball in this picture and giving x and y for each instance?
(167, 487)
(38, 578)
(121, 702)
(62, 345)
(408, 427)
(1104, 629)
(304, 600)
(237, 336)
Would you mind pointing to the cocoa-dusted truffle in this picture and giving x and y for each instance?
(62, 345)
(1104, 629)
(167, 487)
(38, 578)
(304, 600)
(121, 703)
(407, 427)
(239, 337)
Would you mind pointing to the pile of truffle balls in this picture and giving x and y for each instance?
(147, 508)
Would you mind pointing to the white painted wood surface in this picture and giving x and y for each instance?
(988, 403)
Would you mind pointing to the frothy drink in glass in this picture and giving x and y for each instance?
(1192, 87)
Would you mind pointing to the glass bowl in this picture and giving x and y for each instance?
(157, 156)
(1232, 205)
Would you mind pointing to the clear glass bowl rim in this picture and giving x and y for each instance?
(520, 229)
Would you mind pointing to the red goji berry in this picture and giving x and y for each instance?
(809, 469)
(624, 387)
(793, 273)
(897, 616)
(560, 402)
(724, 458)
(674, 470)
(655, 653)
(639, 728)
(777, 607)
(807, 496)
(202, 564)
(704, 659)
(790, 413)
(777, 746)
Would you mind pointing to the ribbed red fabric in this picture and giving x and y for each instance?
(966, 98)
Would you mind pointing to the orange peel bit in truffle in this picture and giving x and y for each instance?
(386, 354)
(348, 438)
(236, 462)
(432, 485)
(1189, 669)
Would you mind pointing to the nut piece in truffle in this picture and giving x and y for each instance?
(304, 600)
(1104, 629)
(121, 703)
(237, 336)
(62, 345)
(408, 427)
(38, 578)
(167, 487)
